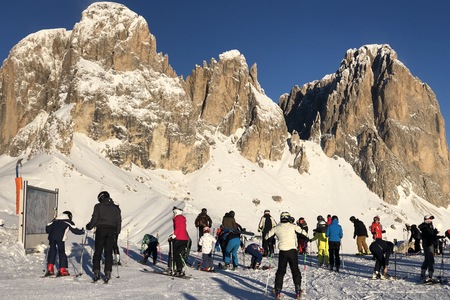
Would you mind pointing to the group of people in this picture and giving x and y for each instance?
(106, 220)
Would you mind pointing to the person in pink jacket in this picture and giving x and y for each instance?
(178, 242)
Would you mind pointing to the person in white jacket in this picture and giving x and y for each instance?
(207, 242)
(287, 244)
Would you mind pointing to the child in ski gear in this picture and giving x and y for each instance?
(256, 252)
(107, 220)
(360, 234)
(376, 229)
(178, 242)
(265, 224)
(302, 243)
(322, 246)
(57, 234)
(429, 236)
(202, 221)
(149, 247)
(381, 250)
(334, 235)
(286, 232)
(207, 242)
(416, 236)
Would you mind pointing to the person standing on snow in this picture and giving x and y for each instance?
(57, 234)
(376, 228)
(266, 223)
(320, 234)
(416, 236)
(116, 251)
(360, 234)
(286, 233)
(107, 220)
(381, 250)
(334, 235)
(207, 242)
(202, 221)
(429, 236)
(178, 242)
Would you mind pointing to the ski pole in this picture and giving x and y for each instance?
(46, 258)
(304, 270)
(82, 252)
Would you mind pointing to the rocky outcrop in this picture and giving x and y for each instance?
(105, 79)
(380, 118)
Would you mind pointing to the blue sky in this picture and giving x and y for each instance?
(292, 42)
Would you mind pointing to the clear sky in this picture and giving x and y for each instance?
(292, 42)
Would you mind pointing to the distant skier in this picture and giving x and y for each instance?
(429, 236)
(360, 234)
(376, 228)
(416, 236)
(57, 234)
(322, 245)
(149, 248)
(207, 242)
(285, 232)
(381, 250)
(334, 235)
(107, 220)
(202, 221)
(256, 252)
(266, 223)
(178, 242)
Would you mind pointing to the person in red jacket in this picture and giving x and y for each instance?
(376, 229)
(178, 242)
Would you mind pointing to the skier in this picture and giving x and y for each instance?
(334, 235)
(202, 221)
(149, 247)
(232, 241)
(228, 221)
(178, 243)
(360, 234)
(207, 242)
(416, 236)
(429, 236)
(265, 224)
(329, 219)
(322, 246)
(376, 228)
(381, 250)
(116, 252)
(107, 220)
(285, 231)
(302, 243)
(256, 251)
(57, 234)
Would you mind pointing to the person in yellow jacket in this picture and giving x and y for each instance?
(322, 245)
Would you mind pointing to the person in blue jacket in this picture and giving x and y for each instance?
(334, 235)
(57, 234)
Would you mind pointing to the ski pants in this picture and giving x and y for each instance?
(267, 245)
(335, 259)
(284, 258)
(178, 249)
(256, 256)
(152, 250)
(207, 260)
(57, 247)
(200, 234)
(322, 252)
(104, 242)
(428, 263)
(361, 243)
(379, 253)
(231, 250)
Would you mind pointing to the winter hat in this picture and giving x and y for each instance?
(267, 211)
(205, 229)
(320, 218)
(285, 217)
(334, 217)
(102, 195)
(352, 219)
(376, 218)
(428, 218)
(69, 214)
(204, 210)
(177, 211)
(447, 233)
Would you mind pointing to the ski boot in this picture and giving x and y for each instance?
(107, 276)
(277, 294)
(96, 276)
(62, 272)
(50, 270)
(298, 292)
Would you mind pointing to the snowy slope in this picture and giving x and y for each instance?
(227, 182)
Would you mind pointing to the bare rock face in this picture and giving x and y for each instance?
(379, 118)
(228, 97)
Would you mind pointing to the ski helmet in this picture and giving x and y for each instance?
(447, 233)
(69, 214)
(376, 218)
(177, 211)
(102, 195)
(285, 217)
(206, 229)
(320, 218)
(428, 218)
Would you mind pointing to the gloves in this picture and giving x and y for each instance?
(259, 229)
(172, 237)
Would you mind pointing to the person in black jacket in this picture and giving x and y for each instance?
(265, 224)
(57, 234)
(107, 220)
(429, 237)
(381, 250)
(415, 235)
(360, 234)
